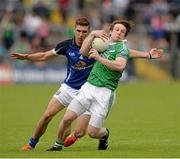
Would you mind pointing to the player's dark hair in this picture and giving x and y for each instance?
(128, 25)
(83, 21)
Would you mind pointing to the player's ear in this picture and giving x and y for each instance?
(110, 33)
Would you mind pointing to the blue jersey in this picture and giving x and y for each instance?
(78, 66)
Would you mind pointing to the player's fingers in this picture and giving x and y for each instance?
(160, 50)
(13, 54)
(155, 50)
(105, 36)
(13, 57)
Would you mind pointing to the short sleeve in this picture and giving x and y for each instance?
(62, 47)
(123, 53)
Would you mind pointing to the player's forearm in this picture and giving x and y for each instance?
(113, 65)
(139, 54)
(40, 56)
(86, 46)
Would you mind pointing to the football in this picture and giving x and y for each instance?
(100, 45)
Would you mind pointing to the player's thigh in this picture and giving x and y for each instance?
(102, 103)
(96, 121)
(54, 107)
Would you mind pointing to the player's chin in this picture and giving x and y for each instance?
(119, 38)
(80, 41)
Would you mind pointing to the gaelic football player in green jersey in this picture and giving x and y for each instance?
(98, 93)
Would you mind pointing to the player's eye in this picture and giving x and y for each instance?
(123, 31)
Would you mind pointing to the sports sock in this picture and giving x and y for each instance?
(58, 144)
(75, 134)
(105, 136)
(33, 142)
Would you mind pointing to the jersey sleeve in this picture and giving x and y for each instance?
(124, 52)
(62, 47)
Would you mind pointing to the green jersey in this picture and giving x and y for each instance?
(101, 75)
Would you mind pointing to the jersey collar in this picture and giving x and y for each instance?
(74, 42)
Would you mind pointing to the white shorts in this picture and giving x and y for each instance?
(96, 100)
(65, 94)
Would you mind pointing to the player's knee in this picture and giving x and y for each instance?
(69, 117)
(80, 132)
(92, 133)
(48, 117)
(67, 120)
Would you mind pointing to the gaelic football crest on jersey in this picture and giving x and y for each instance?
(72, 54)
(123, 53)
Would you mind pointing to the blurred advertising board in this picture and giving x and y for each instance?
(9, 74)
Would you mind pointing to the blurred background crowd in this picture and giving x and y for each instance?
(29, 26)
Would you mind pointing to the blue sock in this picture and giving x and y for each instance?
(33, 142)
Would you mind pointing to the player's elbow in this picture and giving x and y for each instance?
(121, 68)
(81, 51)
(84, 52)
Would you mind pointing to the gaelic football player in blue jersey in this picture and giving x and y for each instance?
(78, 69)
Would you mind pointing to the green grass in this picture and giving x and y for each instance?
(144, 122)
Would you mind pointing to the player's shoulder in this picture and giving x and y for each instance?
(65, 42)
(62, 46)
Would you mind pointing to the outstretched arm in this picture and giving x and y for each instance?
(39, 56)
(154, 53)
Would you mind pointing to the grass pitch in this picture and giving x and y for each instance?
(144, 122)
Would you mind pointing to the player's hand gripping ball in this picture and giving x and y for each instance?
(100, 45)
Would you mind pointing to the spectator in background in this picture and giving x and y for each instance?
(157, 26)
(7, 26)
(3, 52)
(32, 22)
(22, 46)
(63, 8)
(41, 9)
(43, 32)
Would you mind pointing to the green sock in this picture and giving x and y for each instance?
(59, 144)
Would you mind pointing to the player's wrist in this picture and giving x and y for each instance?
(26, 56)
(150, 56)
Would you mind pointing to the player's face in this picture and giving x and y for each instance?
(118, 33)
(81, 33)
